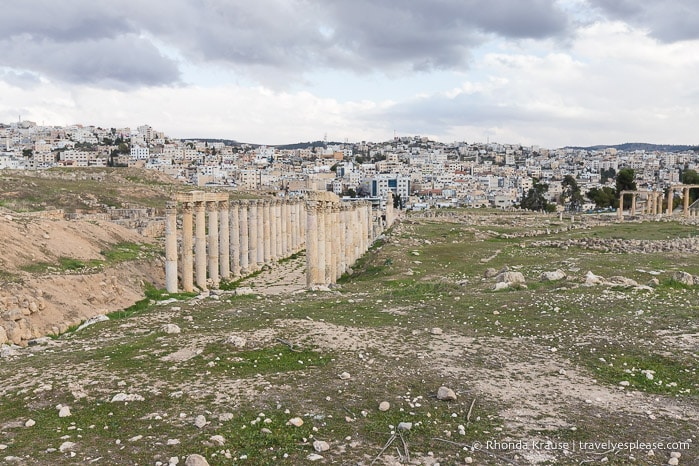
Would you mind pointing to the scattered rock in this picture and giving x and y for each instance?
(265, 430)
(501, 286)
(63, 411)
(436, 331)
(684, 278)
(554, 276)
(384, 406)
(200, 421)
(92, 321)
(236, 340)
(66, 446)
(314, 457)
(127, 397)
(243, 291)
(446, 394)
(217, 440)
(512, 278)
(490, 273)
(403, 426)
(345, 376)
(196, 460)
(591, 279)
(30, 423)
(170, 328)
(295, 421)
(320, 446)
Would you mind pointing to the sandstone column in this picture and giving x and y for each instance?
(224, 253)
(187, 243)
(321, 242)
(286, 229)
(212, 208)
(275, 252)
(252, 236)
(329, 240)
(670, 196)
(234, 239)
(171, 247)
(685, 198)
(293, 234)
(260, 235)
(267, 231)
(312, 270)
(244, 243)
(200, 244)
(633, 204)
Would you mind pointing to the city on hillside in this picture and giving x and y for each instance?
(421, 173)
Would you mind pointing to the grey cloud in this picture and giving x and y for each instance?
(22, 80)
(271, 40)
(118, 62)
(668, 21)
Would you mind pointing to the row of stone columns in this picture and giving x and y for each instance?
(337, 234)
(685, 198)
(653, 205)
(230, 239)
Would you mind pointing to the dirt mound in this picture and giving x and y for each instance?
(57, 273)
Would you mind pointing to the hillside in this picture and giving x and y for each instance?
(550, 340)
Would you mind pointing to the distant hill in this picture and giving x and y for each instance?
(632, 146)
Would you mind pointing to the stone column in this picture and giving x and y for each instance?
(633, 204)
(267, 231)
(274, 253)
(321, 242)
(244, 241)
(187, 244)
(670, 196)
(685, 199)
(234, 241)
(293, 234)
(285, 229)
(212, 208)
(260, 235)
(200, 244)
(252, 236)
(171, 247)
(338, 239)
(224, 250)
(311, 245)
(329, 247)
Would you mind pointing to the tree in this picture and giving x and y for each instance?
(27, 153)
(535, 199)
(604, 197)
(397, 202)
(606, 175)
(572, 196)
(690, 176)
(625, 181)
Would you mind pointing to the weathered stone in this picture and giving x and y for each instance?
(320, 446)
(591, 279)
(30, 423)
(92, 321)
(196, 460)
(66, 446)
(513, 278)
(490, 273)
(170, 328)
(124, 397)
(622, 281)
(295, 421)
(3, 335)
(64, 411)
(244, 290)
(384, 406)
(404, 426)
(436, 331)
(446, 394)
(345, 376)
(684, 278)
(314, 457)
(501, 286)
(235, 340)
(554, 276)
(200, 421)
(217, 440)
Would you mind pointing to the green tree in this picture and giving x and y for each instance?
(606, 175)
(535, 199)
(572, 197)
(690, 176)
(27, 153)
(625, 181)
(124, 148)
(603, 197)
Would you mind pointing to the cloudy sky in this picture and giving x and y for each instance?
(544, 72)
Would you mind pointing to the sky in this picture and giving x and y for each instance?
(551, 73)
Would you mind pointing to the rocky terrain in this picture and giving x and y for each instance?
(451, 343)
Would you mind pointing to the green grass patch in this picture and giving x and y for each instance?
(242, 364)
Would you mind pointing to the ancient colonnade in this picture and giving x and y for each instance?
(654, 201)
(222, 239)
